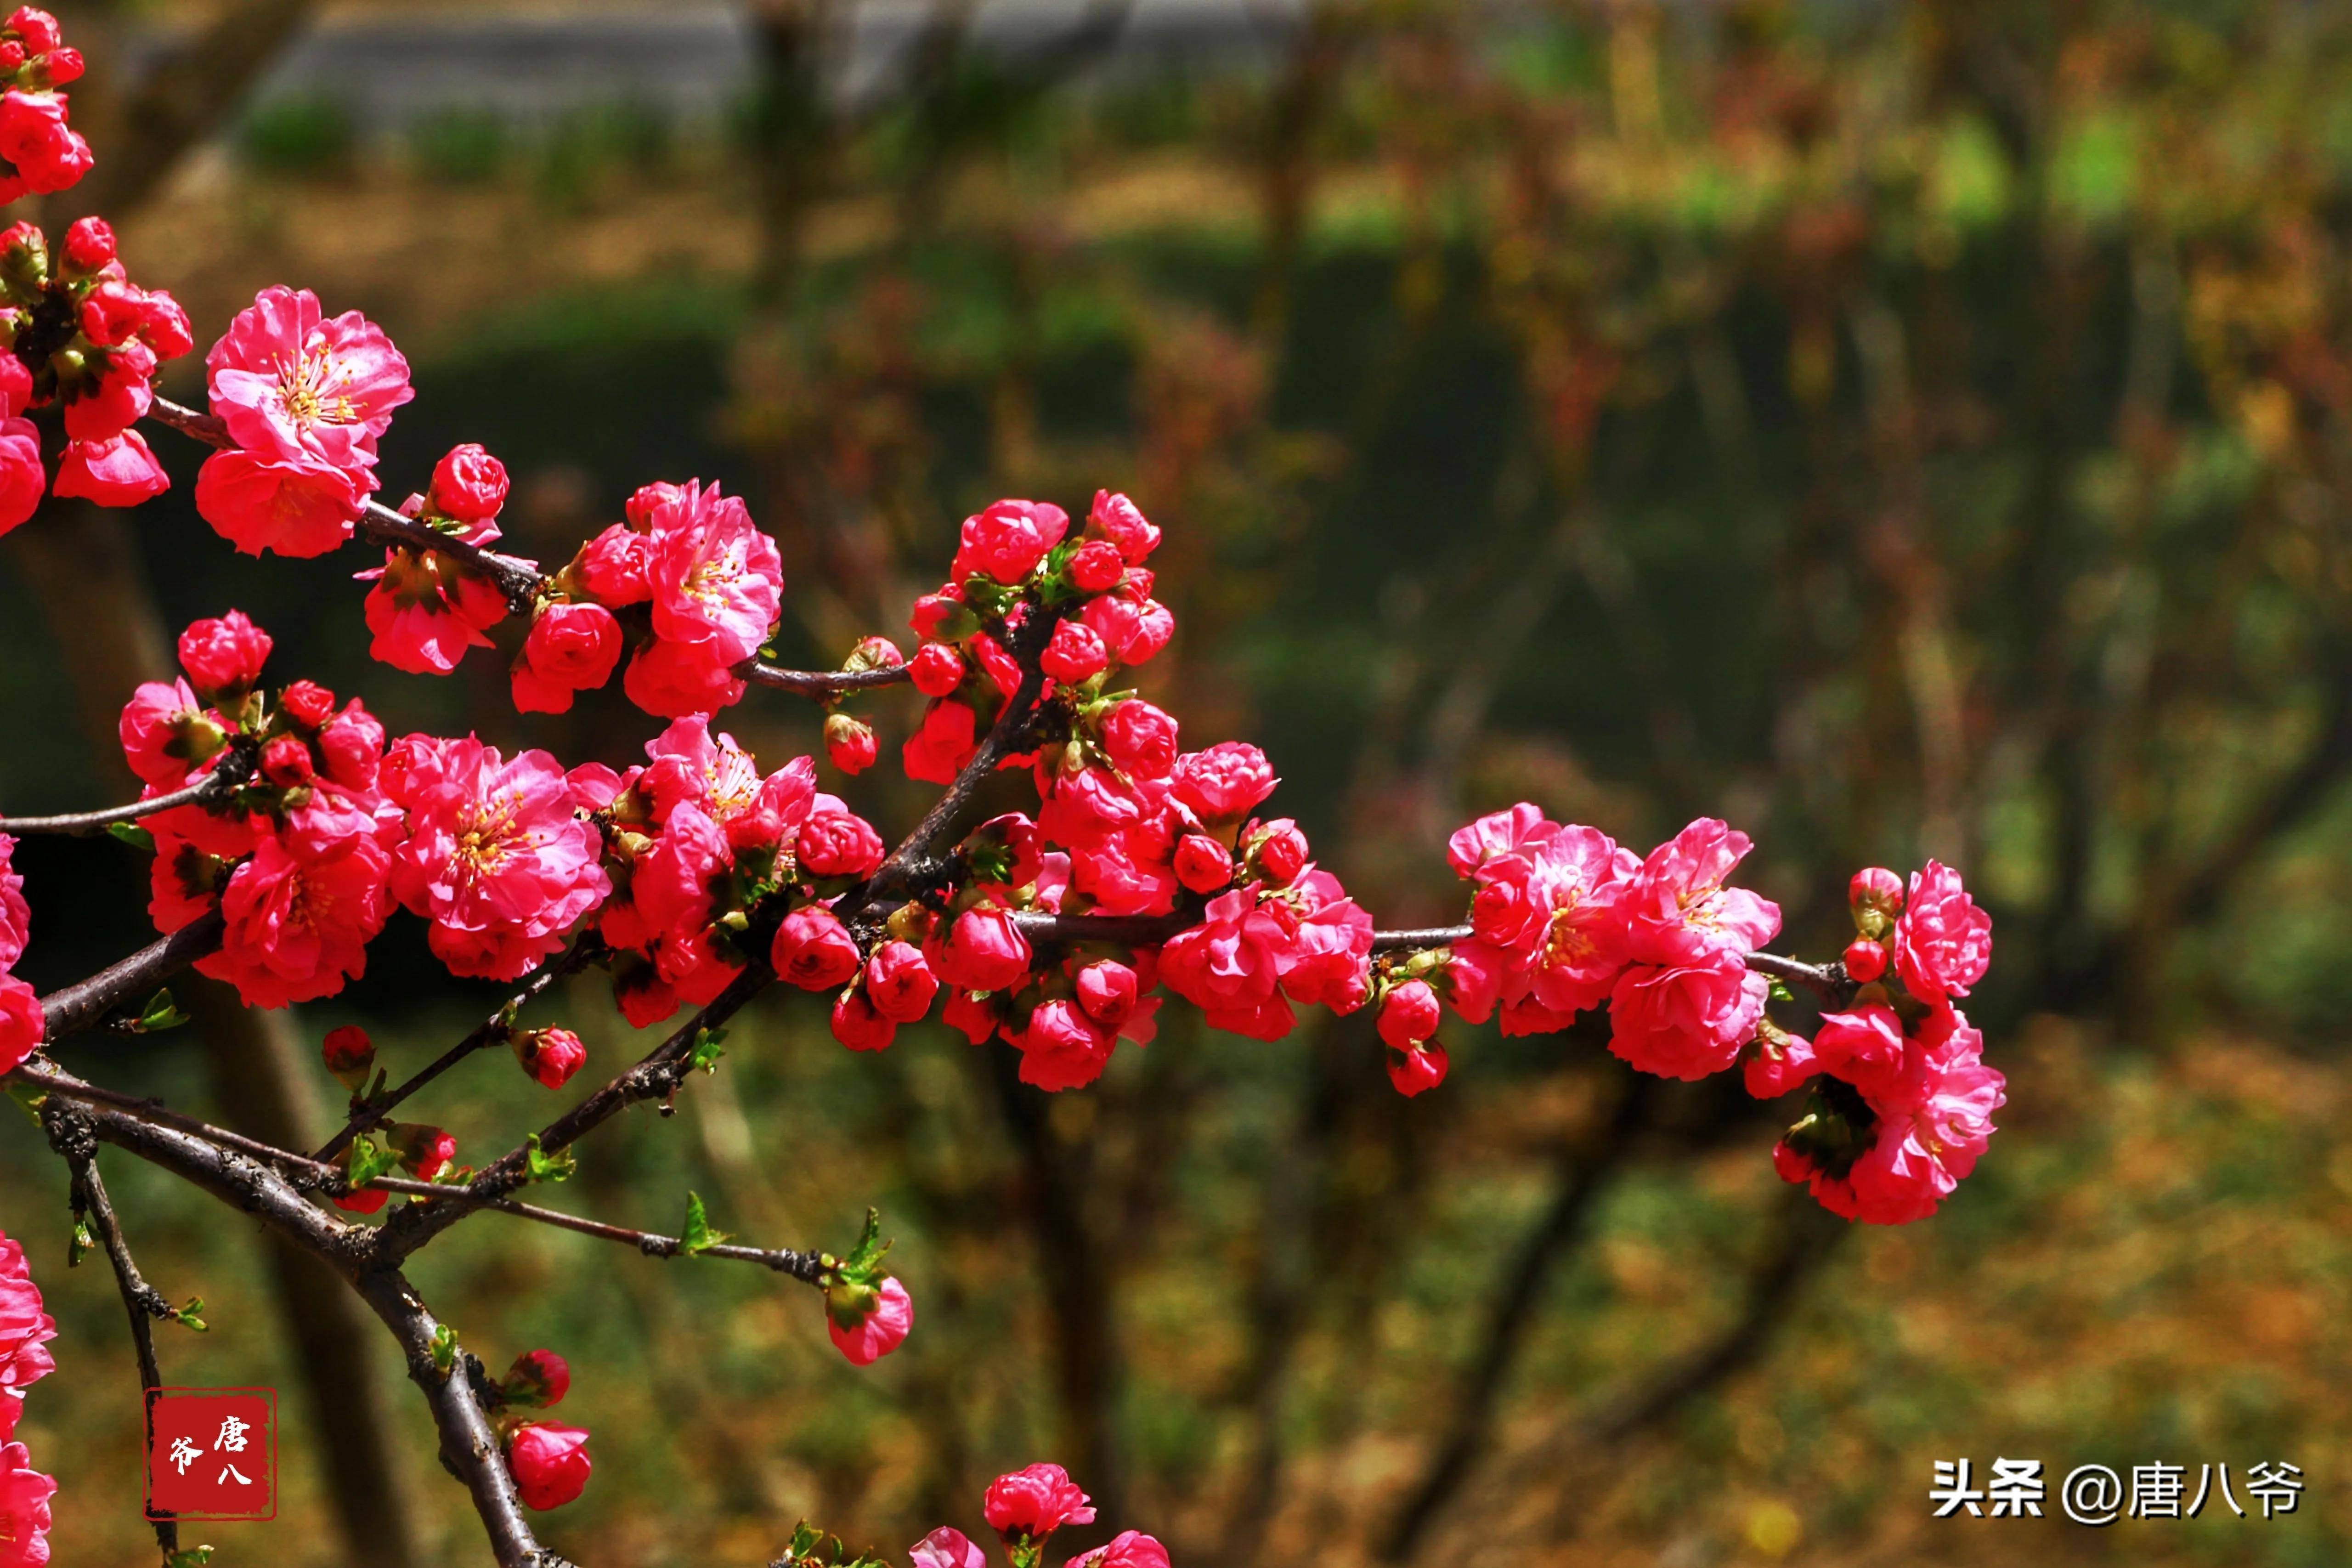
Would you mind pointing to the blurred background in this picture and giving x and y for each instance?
(1901, 428)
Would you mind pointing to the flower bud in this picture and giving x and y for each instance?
(550, 1463)
(551, 1055)
(285, 761)
(468, 484)
(1279, 850)
(944, 616)
(223, 656)
(424, 1152)
(984, 951)
(308, 703)
(1076, 653)
(349, 1055)
(1107, 992)
(89, 246)
(868, 1321)
(937, 669)
(850, 743)
(1865, 960)
(856, 1024)
(1140, 739)
(1409, 1014)
(367, 1200)
(1875, 896)
(812, 950)
(1790, 1165)
(1203, 865)
(1097, 565)
(898, 981)
(1413, 1071)
(538, 1379)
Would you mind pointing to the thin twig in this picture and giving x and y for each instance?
(821, 685)
(493, 1030)
(804, 1266)
(81, 1005)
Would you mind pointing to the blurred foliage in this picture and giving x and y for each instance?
(1904, 431)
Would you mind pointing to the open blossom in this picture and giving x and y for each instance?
(1943, 943)
(297, 507)
(26, 1330)
(1863, 1046)
(120, 471)
(550, 1463)
(426, 610)
(1688, 1021)
(302, 909)
(1132, 625)
(1230, 966)
(1032, 1503)
(1128, 1548)
(497, 858)
(1122, 522)
(1140, 740)
(1417, 1068)
(879, 1329)
(166, 732)
(1225, 783)
(1679, 910)
(25, 1494)
(947, 1547)
(947, 737)
(1933, 1123)
(1061, 1047)
(670, 679)
(717, 580)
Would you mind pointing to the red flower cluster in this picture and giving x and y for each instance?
(79, 332)
(426, 610)
(40, 153)
(1901, 1106)
(25, 1330)
(21, 1024)
(549, 1462)
(1023, 1507)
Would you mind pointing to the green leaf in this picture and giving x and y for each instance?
(160, 1013)
(698, 1236)
(189, 1557)
(28, 1101)
(192, 1316)
(445, 1349)
(368, 1160)
(138, 838)
(867, 1255)
(1780, 993)
(78, 1246)
(540, 1166)
(707, 1049)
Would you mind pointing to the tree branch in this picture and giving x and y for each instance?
(803, 1267)
(73, 1008)
(821, 685)
(226, 777)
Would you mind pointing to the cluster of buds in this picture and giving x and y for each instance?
(426, 1153)
(549, 1461)
(40, 153)
(849, 741)
(76, 331)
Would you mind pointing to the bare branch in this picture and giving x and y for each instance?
(802, 1265)
(226, 777)
(821, 685)
(81, 1005)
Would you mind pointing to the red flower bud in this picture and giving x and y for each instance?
(349, 1055)
(1280, 851)
(367, 1200)
(1875, 896)
(551, 1056)
(425, 1151)
(856, 1024)
(1408, 1015)
(468, 484)
(1416, 1070)
(850, 743)
(898, 981)
(223, 656)
(937, 669)
(1865, 960)
(550, 1463)
(1202, 864)
(89, 246)
(1076, 653)
(536, 1379)
(878, 1329)
(813, 951)
(285, 761)
(308, 703)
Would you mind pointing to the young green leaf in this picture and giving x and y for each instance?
(192, 1316)
(540, 1166)
(138, 838)
(696, 1236)
(160, 1013)
(445, 1349)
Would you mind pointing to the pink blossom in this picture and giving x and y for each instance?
(813, 951)
(1060, 1046)
(1140, 740)
(426, 610)
(1230, 964)
(297, 507)
(1408, 1014)
(670, 679)
(1500, 844)
(1679, 910)
(572, 648)
(1472, 980)
(1132, 624)
(1225, 783)
(984, 951)
(835, 842)
(302, 912)
(497, 859)
(1076, 653)
(21, 1024)
(551, 1056)
(717, 581)
(849, 743)
(1863, 1046)
(351, 747)
(22, 478)
(16, 914)
(973, 1017)
(879, 1330)
(1202, 864)
(1128, 1548)
(165, 733)
(25, 1326)
(223, 656)
(1030, 1504)
(1122, 523)
(291, 382)
(612, 566)
(47, 154)
(1685, 1022)
(1006, 541)
(1933, 1126)
(25, 1494)
(1943, 943)
(947, 739)
(947, 1547)
(550, 1463)
(117, 471)
(856, 1024)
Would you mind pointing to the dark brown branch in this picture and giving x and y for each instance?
(493, 1030)
(49, 1078)
(73, 1008)
(470, 1447)
(228, 775)
(71, 1136)
(821, 685)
